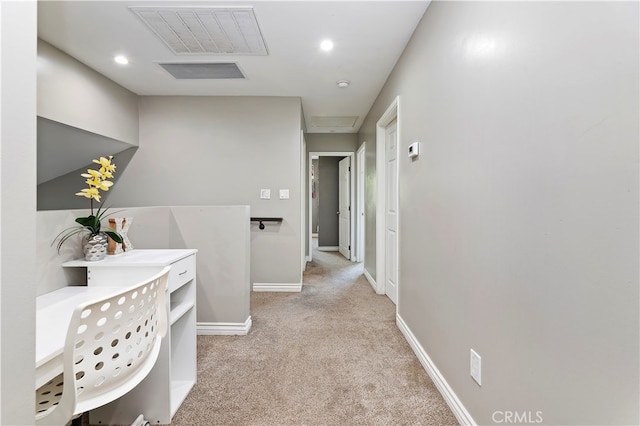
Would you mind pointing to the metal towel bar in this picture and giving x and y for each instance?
(261, 220)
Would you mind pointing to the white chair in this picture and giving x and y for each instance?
(111, 346)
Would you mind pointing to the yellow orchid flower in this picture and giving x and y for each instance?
(92, 182)
(92, 174)
(96, 180)
(105, 164)
(104, 185)
(90, 193)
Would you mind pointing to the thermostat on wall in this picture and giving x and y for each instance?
(414, 149)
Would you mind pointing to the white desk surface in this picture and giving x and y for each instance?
(53, 314)
(54, 310)
(136, 257)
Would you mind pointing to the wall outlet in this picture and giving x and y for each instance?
(476, 367)
(414, 150)
(265, 194)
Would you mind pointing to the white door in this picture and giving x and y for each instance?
(344, 207)
(391, 213)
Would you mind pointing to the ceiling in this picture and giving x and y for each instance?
(368, 36)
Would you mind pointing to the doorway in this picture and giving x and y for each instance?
(387, 227)
(345, 220)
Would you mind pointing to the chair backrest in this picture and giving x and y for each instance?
(111, 346)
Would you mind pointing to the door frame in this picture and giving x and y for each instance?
(392, 113)
(310, 200)
(303, 257)
(361, 170)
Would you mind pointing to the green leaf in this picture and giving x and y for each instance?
(114, 236)
(103, 214)
(66, 234)
(87, 221)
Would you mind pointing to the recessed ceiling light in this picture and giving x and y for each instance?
(122, 60)
(326, 45)
(343, 84)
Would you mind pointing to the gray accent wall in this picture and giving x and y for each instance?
(223, 151)
(328, 201)
(519, 219)
(315, 202)
(59, 193)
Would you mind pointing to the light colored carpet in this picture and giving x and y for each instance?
(331, 355)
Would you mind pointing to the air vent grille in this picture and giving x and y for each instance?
(215, 70)
(205, 31)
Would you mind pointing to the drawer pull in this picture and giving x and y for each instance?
(182, 273)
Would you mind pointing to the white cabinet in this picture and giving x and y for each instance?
(160, 395)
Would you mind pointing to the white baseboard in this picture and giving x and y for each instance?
(369, 278)
(223, 328)
(328, 248)
(278, 287)
(461, 413)
(308, 258)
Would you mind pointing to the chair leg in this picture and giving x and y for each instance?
(82, 420)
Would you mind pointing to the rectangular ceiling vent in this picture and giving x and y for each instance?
(194, 71)
(205, 30)
(341, 121)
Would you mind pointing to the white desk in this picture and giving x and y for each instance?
(162, 392)
(53, 314)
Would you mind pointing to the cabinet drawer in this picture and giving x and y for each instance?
(181, 272)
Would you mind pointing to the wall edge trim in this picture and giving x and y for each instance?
(369, 278)
(452, 400)
(278, 287)
(328, 248)
(224, 328)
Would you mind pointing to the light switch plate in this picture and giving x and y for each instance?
(265, 194)
(284, 194)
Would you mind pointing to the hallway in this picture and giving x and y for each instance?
(331, 355)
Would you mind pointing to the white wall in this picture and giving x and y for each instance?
(82, 115)
(220, 234)
(17, 211)
(519, 221)
(331, 142)
(223, 239)
(223, 150)
(71, 93)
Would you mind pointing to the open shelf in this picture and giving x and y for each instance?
(164, 389)
(179, 391)
(183, 350)
(181, 301)
(178, 310)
